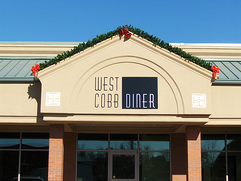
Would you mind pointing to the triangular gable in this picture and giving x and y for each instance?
(71, 86)
(120, 30)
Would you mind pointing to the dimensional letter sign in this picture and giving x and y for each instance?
(139, 93)
(106, 95)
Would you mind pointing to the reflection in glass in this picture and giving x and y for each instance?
(154, 165)
(123, 141)
(234, 167)
(92, 166)
(35, 141)
(123, 167)
(234, 141)
(92, 141)
(9, 140)
(8, 165)
(213, 166)
(154, 142)
(211, 142)
(34, 164)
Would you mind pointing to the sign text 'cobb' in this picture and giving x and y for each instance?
(106, 95)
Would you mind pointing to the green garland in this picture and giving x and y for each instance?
(137, 31)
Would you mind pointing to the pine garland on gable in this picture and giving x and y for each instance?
(99, 38)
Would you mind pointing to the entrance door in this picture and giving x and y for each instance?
(123, 166)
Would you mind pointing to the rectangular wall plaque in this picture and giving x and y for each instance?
(199, 101)
(52, 98)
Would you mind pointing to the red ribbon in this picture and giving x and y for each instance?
(126, 32)
(215, 70)
(35, 69)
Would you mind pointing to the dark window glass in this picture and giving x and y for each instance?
(9, 140)
(213, 142)
(8, 165)
(154, 142)
(35, 141)
(234, 167)
(92, 141)
(154, 166)
(92, 166)
(213, 166)
(34, 164)
(234, 142)
(27, 179)
(123, 141)
(123, 167)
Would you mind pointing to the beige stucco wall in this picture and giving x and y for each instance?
(20, 102)
(226, 105)
(74, 79)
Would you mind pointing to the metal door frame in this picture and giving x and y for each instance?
(123, 152)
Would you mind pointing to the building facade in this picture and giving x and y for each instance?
(121, 110)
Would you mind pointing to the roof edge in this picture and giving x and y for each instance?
(38, 43)
(208, 44)
(140, 33)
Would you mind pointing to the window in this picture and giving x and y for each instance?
(29, 150)
(221, 157)
(98, 151)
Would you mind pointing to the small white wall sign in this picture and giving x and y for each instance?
(199, 101)
(52, 98)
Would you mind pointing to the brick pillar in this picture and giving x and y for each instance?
(193, 135)
(70, 146)
(179, 157)
(56, 153)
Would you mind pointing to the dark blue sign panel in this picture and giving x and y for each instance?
(139, 93)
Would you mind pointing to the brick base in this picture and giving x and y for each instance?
(179, 157)
(56, 153)
(70, 144)
(193, 135)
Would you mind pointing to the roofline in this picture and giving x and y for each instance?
(76, 43)
(38, 43)
(19, 79)
(208, 44)
(227, 82)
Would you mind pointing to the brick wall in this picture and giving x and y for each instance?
(56, 153)
(193, 136)
(70, 143)
(179, 157)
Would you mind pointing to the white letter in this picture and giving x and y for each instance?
(151, 100)
(144, 101)
(128, 100)
(138, 100)
(133, 100)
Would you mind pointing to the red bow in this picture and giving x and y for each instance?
(215, 70)
(35, 69)
(126, 32)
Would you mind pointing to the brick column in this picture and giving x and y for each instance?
(70, 146)
(193, 135)
(56, 153)
(179, 157)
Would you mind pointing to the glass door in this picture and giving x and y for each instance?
(123, 166)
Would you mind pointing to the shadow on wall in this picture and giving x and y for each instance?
(34, 92)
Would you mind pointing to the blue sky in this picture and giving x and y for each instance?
(174, 21)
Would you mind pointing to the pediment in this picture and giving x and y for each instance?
(126, 76)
